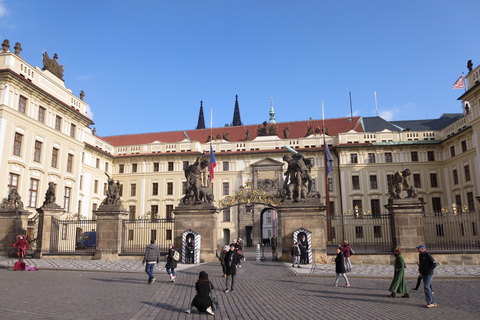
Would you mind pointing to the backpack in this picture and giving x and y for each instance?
(176, 256)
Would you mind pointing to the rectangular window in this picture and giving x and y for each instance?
(121, 168)
(94, 207)
(105, 188)
(431, 155)
(97, 163)
(169, 188)
(64, 231)
(330, 184)
(54, 157)
(433, 180)
(106, 166)
(168, 211)
(134, 167)
(371, 158)
(226, 215)
(466, 169)
(373, 182)
(155, 189)
(452, 151)
(359, 232)
(73, 128)
(226, 166)
(332, 208)
(13, 181)
(185, 165)
(474, 228)
(80, 184)
(440, 232)
(41, 114)
(70, 163)
(37, 152)
(416, 180)
(154, 211)
(414, 155)
(22, 104)
(436, 204)
(375, 205)
(156, 166)
(95, 186)
(353, 158)
(17, 144)
(58, 123)
(32, 193)
(464, 145)
(170, 166)
(133, 189)
(133, 212)
(377, 231)
(388, 157)
(168, 235)
(66, 199)
(130, 235)
(455, 177)
(226, 188)
(470, 202)
(355, 182)
(357, 205)
(314, 185)
(120, 190)
(184, 187)
(458, 202)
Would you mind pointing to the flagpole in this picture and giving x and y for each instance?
(211, 148)
(327, 193)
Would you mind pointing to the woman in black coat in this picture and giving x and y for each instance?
(231, 260)
(171, 263)
(340, 268)
(202, 300)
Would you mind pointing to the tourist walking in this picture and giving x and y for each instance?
(347, 252)
(274, 244)
(296, 254)
(426, 266)
(340, 268)
(399, 284)
(221, 258)
(202, 300)
(231, 261)
(171, 263)
(151, 257)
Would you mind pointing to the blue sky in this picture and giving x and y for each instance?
(145, 65)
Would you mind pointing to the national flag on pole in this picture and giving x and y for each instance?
(329, 158)
(460, 83)
(213, 163)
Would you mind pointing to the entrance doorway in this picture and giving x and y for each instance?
(269, 225)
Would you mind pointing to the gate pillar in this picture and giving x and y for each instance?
(203, 219)
(308, 215)
(13, 222)
(109, 231)
(45, 215)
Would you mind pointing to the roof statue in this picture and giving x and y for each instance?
(52, 65)
(266, 130)
(470, 65)
(201, 118)
(6, 45)
(236, 114)
(82, 95)
(18, 48)
(286, 132)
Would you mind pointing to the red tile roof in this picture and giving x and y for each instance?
(298, 129)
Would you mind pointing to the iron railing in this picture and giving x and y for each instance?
(136, 234)
(65, 233)
(366, 234)
(452, 231)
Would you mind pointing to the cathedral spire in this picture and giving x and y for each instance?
(201, 118)
(272, 113)
(236, 114)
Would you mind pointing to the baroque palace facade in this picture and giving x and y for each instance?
(46, 136)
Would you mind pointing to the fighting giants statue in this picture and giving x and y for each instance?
(399, 183)
(13, 201)
(113, 192)
(298, 181)
(198, 191)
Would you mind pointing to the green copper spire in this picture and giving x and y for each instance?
(272, 113)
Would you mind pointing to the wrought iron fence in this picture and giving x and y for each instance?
(365, 233)
(136, 234)
(73, 236)
(452, 231)
(32, 233)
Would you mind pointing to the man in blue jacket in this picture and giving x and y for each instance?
(425, 267)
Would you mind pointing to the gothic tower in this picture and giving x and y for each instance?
(236, 114)
(201, 118)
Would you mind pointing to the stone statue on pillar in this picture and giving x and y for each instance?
(198, 190)
(12, 201)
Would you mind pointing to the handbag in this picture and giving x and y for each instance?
(351, 251)
(214, 299)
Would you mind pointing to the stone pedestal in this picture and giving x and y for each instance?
(201, 218)
(407, 225)
(109, 231)
(13, 222)
(307, 215)
(45, 215)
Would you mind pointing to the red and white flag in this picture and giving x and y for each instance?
(460, 83)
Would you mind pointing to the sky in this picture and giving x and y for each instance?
(145, 65)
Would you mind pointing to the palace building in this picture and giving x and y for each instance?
(46, 136)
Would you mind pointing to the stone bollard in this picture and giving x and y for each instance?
(258, 253)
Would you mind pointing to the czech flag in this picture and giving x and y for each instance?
(213, 163)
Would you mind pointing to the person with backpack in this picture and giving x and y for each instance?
(171, 262)
(347, 252)
(152, 257)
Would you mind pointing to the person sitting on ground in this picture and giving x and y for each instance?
(202, 300)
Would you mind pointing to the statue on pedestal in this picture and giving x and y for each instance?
(13, 201)
(198, 191)
(113, 192)
(401, 182)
